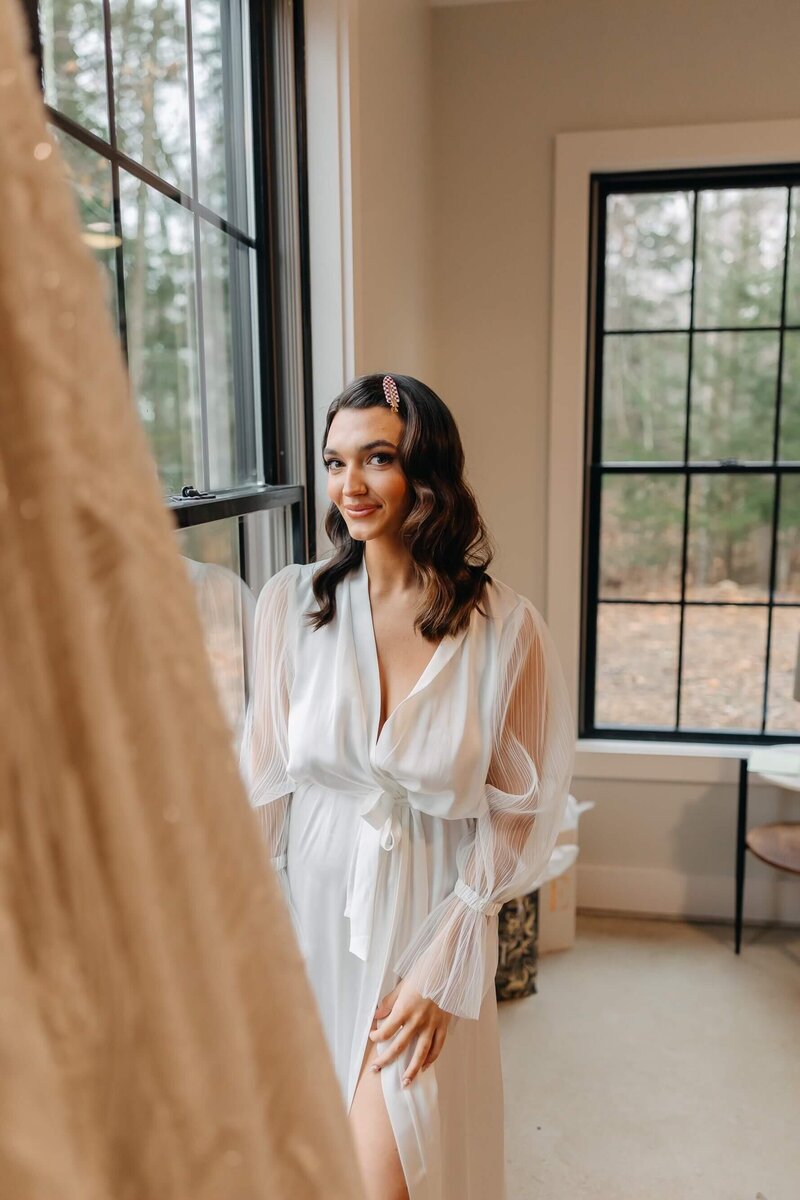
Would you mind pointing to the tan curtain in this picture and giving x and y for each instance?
(157, 1035)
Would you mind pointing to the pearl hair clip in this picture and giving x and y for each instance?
(391, 393)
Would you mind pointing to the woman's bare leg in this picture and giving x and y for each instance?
(376, 1147)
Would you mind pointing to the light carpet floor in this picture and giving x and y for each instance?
(653, 1064)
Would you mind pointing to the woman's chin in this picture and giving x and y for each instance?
(365, 529)
(359, 534)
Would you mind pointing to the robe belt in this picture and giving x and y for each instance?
(381, 828)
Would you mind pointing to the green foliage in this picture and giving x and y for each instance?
(151, 97)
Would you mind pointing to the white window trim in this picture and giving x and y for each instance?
(577, 157)
(331, 45)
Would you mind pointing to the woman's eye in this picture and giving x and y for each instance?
(386, 457)
(331, 462)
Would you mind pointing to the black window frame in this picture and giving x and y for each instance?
(601, 186)
(275, 491)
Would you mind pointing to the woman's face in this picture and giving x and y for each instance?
(365, 479)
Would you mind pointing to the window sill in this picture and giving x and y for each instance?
(234, 502)
(662, 762)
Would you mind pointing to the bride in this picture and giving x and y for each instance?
(408, 749)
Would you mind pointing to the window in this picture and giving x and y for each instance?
(180, 123)
(691, 610)
(174, 127)
(149, 98)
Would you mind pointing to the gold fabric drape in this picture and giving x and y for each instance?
(157, 1034)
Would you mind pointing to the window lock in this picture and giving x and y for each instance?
(188, 492)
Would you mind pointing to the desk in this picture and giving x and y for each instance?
(777, 844)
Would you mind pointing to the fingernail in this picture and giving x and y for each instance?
(376, 1067)
(406, 1082)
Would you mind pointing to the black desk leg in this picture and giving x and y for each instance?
(741, 834)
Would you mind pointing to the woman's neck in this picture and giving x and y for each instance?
(389, 566)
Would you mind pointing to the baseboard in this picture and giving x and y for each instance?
(667, 893)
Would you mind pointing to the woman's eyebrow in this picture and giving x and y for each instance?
(368, 446)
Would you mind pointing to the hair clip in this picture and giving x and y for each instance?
(391, 393)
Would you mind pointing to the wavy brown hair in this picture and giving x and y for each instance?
(443, 531)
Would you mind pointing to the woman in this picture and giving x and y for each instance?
(408, 749)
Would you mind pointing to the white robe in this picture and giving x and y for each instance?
(396, 851)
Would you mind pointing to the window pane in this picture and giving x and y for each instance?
(644, 396)
(793, 278)
(228, 350)
(222, 105)
(648, 261)
(74, 59)
(268, 544)
(787, 575)
(215, 542)
(148, 40)
(724, 651)
(637, 664)
(226, 604)
(90, 176)
(641, 537)
(226, 607)
(730, 531)
(783, 711)
(734, 389)
(162, 329)
(741, 238)
(789, 450)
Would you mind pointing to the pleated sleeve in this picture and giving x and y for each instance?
(453, 958)
(264, 748)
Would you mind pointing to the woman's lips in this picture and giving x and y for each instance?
(361, 512)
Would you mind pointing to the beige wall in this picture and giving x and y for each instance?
(370, 148)
(370, 142)
(507, 78)
(393, 200)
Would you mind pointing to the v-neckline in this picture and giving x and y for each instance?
(362, 615)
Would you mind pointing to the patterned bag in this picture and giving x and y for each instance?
(518, 925)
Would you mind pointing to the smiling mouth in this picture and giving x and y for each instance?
(361, 512)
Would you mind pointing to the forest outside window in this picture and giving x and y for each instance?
(151, 104)
(691, 611)
(184, 148)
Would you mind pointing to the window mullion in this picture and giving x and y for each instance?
(777, 475)
(198, 269)
(244, 391)
(687, 489)
(593, 481)
(119, 252)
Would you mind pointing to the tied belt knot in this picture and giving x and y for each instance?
(380, 829)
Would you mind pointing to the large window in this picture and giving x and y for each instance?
(180, 124)
(151, 100)
(692, 532)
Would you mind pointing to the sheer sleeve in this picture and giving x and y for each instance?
(264, 749)
(453, 958)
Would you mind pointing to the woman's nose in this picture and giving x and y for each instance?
(353, 481)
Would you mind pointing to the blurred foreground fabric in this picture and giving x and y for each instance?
(157, 1034)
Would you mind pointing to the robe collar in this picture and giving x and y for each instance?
(367, 654)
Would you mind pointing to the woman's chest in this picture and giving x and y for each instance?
(402, 655)
(426, 724)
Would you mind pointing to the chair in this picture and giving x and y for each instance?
(777, 843)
